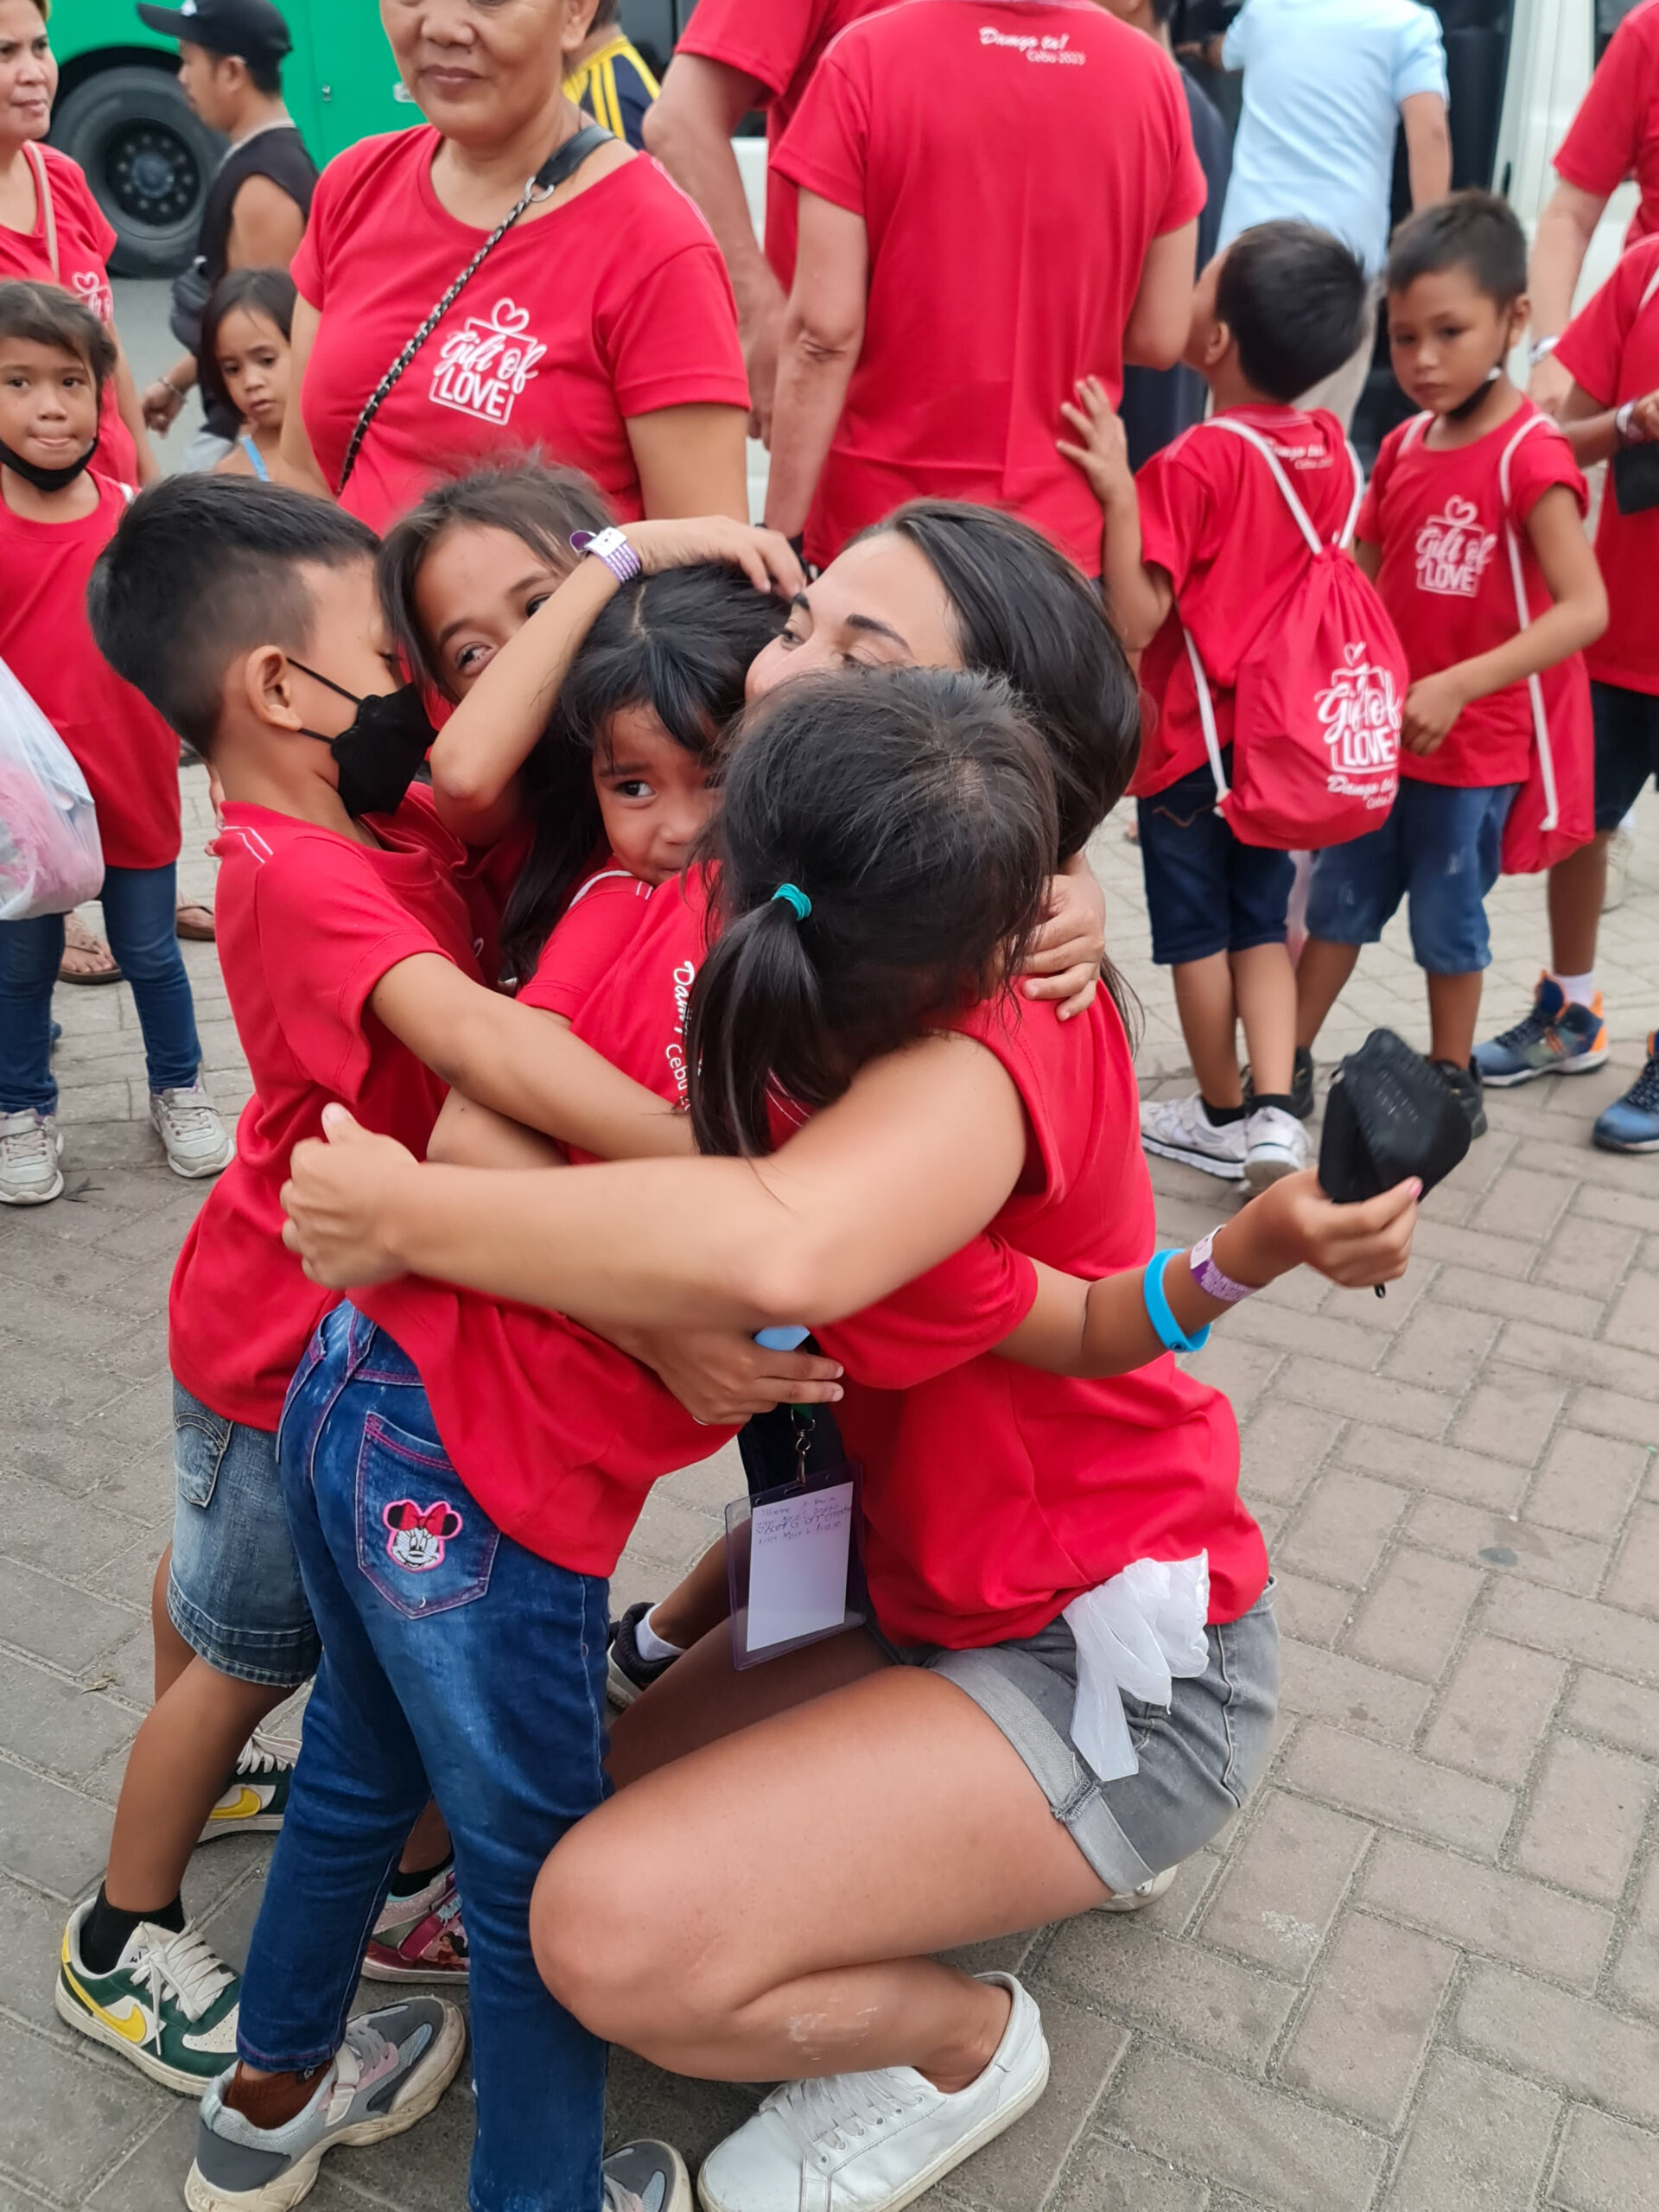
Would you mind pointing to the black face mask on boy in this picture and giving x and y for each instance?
(47, 479)
(380, 749)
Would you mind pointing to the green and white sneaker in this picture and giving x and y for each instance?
(257, 1797)
(169, 2005)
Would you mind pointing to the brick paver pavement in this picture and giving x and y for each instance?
(1421, 1972)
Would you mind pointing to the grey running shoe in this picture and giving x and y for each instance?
(647, 2176)
(390, 2070)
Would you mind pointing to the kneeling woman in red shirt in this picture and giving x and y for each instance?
(922, 1784)
(599, 327)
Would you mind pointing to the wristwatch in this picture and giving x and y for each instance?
(1625, 427)
(612, 547)
(1540, 350)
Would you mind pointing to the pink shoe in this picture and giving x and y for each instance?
(421, 1937)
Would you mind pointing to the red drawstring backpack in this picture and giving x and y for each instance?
(1318, 699)
(1553, 811)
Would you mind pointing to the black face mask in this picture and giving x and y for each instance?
(1476, 398)
(47, 479)
(380, 750)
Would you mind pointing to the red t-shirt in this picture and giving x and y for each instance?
(779, 43)
(1215, 521)
(994, 1493)
(1614, 133)
(1440, 519)
(309, 922)
(613, 305)
(128, 754)
(1013, 161)
(1611, 350)
(85, 245)
(557, 1433)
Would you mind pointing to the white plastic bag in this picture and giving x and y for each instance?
(1134, 1635)
(50, 855)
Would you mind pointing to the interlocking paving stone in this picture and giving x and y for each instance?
(1420, 1970)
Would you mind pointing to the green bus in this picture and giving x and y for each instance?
(121, 115)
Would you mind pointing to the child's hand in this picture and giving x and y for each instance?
(1103, 454)
(722, 1376)
(1644, 418)
(766, 559)
(340, 1196)
(1063, 961)
(1293, 1224)
(1432, 704)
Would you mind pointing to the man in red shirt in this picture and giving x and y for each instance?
(735, 55)
(995, 200)
(1615, 135)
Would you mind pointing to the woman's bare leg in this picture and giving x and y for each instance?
(908, 1824)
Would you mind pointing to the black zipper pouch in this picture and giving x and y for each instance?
(1387, 1115)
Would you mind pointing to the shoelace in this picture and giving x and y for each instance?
(188, 1966)
(839, 2110)
(364, 2056)
(1528, 1030)
(1643, 1093)
(255, 1758)
(18, 1146)
(617, 2199)
(188, 1111)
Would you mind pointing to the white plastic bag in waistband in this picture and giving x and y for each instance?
(1135, 1634)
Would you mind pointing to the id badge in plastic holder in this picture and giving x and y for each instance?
(793, 1568)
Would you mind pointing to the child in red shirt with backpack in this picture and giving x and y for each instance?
(1201, 553)
(1474, 518)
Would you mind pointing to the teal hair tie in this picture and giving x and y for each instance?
(792, 895)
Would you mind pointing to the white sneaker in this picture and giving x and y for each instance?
(873, 2142)
(197, 1141)
(1275, 1144)
(1179, 1128)
(1143, 1893)
(1620, 848)
(30, 1147)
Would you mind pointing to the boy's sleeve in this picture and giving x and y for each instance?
(1174, 496)
(1539, 462)
(329, 929)
(586, 943)
(955, 1313)
(1600, 149)
(826, 147)
(1370, 524)
(1592, 347)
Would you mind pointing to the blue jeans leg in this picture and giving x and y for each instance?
(140, 909)
(29, 954)
(493, 1660)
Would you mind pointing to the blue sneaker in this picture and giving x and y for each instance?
(1631, 1124)
(390, 2071)
(1555, 1039)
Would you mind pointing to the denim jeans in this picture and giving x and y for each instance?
(454, 1664)
(139, 907)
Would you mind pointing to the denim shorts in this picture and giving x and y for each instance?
(1207, 893)
(1441, 848)
(233, 1591)
(1199, 1756)
(1627, 749)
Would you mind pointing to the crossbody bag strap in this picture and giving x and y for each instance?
(48, 212)
(554, 172)
(1518, 577)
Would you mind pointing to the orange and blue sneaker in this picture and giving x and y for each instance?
(1555, 1039)
(1631, 1124)
(167, 2006)
(256, 1797)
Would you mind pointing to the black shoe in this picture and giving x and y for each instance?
(1301, 1084)
(1464, 1083)
(628, 1675)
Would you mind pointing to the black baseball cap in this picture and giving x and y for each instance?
(252, 28)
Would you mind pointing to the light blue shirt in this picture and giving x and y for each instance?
(1323, 83)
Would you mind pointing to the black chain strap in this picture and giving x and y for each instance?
(561, 164)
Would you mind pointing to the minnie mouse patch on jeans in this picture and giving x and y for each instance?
(418, 1537)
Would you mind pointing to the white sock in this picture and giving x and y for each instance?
(1578, 990)
(653, 1647)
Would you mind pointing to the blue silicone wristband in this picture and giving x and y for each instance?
(1171, 1335)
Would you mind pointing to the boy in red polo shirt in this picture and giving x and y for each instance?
(1475, 503)
(1203, 542)
(1611, 351)
(247, 616)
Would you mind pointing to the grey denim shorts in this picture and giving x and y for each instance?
(1199, 1756)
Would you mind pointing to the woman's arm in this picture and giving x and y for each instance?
(1103, 1328)
(1160, 322)
(1559, 246)
(1576, 620)
(298, 464)
(917, 1158)
(692, 460)
(823, 335)
(1591, 429)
